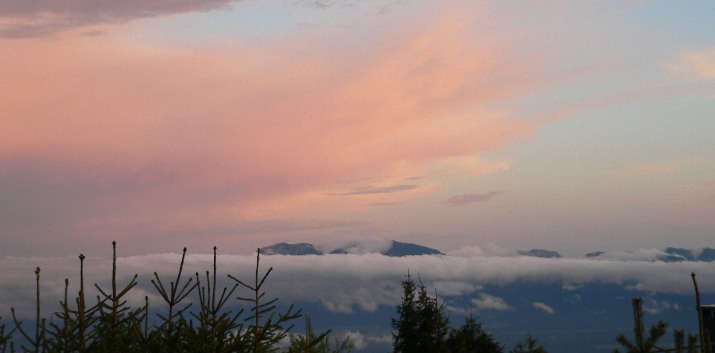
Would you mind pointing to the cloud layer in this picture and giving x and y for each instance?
(345, 283)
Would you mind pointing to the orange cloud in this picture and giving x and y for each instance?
(142, 137)
(699, 64)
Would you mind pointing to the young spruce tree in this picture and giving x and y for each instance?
(405, 337)
(471, 338)
(421, 325)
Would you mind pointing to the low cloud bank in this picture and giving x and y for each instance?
(344, 283)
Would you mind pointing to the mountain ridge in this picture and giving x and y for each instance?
(396, 249)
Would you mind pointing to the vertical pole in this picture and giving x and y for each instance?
(37, 320)
(700, 314)
(80, 306)
(258, 297)
(115, 301)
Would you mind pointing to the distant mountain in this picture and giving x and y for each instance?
(396, 249)
(290, 249)
(399, 249)
(548, 254)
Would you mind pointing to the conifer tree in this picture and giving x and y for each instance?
(310, 342)
(421, 325)
(529, 345)
(405, 337)
(641, 343)
(432, 324)
(470, 338)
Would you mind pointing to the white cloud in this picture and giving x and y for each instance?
(636, 255)
(345, 283)
(467, 251)
(359, 246)
(361, 341)
(570, 287)
(490, 302)
(544, 307)
(653, 306)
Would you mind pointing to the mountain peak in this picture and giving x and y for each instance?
(399, 249)
(548, 254)
(290, 249)
(396, 249)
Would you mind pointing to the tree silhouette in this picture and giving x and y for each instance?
(528, 346)
(405, 339)
(470, 338)
(422, 325)
(641, 343)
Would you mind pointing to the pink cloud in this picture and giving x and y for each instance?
(700, 63)
(466, 199)
(147, 140)
(26, 19)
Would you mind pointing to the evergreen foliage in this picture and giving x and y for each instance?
(471, 338)
(112, 325)
(680, 345)
(432, 323)
(422, 326)
(312, 343)
(643, 344)
(406, 336)
(529, 345)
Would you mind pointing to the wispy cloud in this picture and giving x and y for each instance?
(379, 189)
(544, 307)
(25, 19)
(461, 200)
(361, 341)
(658, 306)
(700, 63)
(490, 302)
(317, 4)
(149, 165)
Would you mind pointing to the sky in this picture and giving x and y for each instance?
(570, 126)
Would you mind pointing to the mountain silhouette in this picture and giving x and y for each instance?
(396, 249)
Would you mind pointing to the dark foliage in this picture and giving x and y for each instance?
(406, 337)
(528, 345)
(312, 343)
(648, 344)
(422, 326)
(471, 338)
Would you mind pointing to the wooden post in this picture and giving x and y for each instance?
(700, 315)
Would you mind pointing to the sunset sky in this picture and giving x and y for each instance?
(573, 126)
